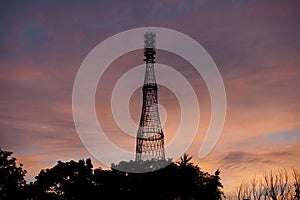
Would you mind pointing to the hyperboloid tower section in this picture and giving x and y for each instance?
(150, 137)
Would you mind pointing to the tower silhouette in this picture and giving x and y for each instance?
(150, 137)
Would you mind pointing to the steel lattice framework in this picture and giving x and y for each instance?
(150, 137)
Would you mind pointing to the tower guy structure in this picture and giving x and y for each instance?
(150, 137)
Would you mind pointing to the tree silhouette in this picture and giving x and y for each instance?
(180, 180)
(275, 185)
(70, 180)
(12, 180)
(185, 160)
(78, 180)
(296, 185)
(214, 187)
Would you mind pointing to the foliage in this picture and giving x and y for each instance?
(12, 176)
(78, 180)
(70, 180)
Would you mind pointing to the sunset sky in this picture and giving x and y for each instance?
(255, 44)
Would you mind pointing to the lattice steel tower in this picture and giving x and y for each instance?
(150, 137)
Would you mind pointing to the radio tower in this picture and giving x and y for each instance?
(150, 137)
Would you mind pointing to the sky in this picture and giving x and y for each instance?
(255, 44)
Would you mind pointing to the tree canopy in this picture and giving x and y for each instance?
(78, 180)
(12, 180)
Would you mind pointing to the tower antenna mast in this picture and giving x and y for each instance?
(150, 137)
